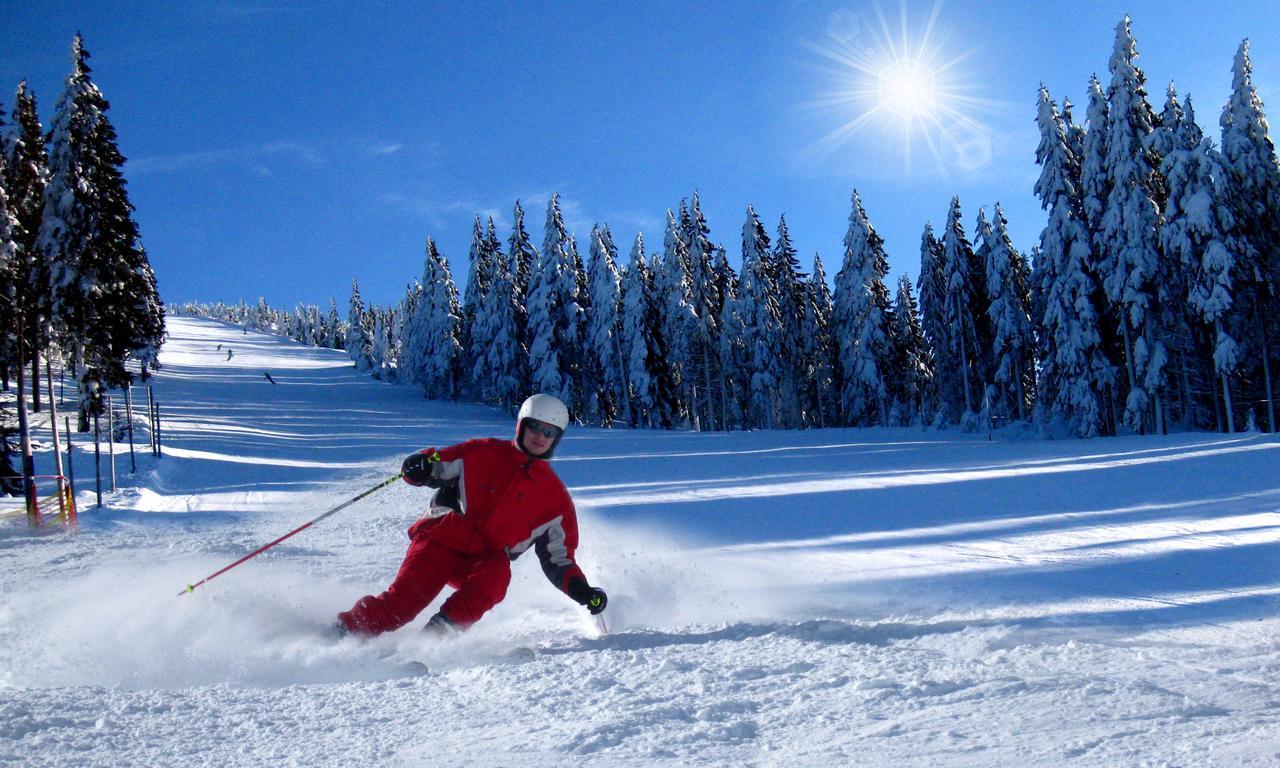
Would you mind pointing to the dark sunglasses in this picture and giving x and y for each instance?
(546, 430)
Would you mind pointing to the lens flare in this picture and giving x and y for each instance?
(905, 84)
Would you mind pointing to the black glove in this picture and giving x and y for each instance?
(417, 469)
(584, 594)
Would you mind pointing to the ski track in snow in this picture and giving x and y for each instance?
(833, 597)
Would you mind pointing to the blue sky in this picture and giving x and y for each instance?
(280, 149)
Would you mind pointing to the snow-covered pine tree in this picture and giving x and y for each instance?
(105, 306)
(379, 355)
(551, 306)
(961, 356)
(435, 329)
(1013, 347)
(359, 331)
(1180, 331)
(9, 269)
(861, 322)
(914, 361)
(337, 334)
(522, 257)
(762, 330)
(933, 304)
(677, 323)
(604, 354)
(1095, 181)
(501, 360)
(1198, 232)
(1128, 238)
(579, 311)
(789, 280)
(637, 340)
(1254, 180)
(820, 357)
(731, 391)
(1073, 135)
(25, 177)
(735, 366)
(479, 279)
(705, 300)
(984, 361)
(1076, 374)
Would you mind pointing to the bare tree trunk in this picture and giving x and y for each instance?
(1021, 395)
(706, 377)
(1266, 368)
(35, 365)
(1226, 385)
(28, 459)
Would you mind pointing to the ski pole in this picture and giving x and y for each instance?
(299, 529)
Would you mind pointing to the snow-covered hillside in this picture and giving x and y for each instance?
(834, 597)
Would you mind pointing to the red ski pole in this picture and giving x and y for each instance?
(299, 529)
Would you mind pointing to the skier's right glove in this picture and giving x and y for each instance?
(584, 594)
(417, 469)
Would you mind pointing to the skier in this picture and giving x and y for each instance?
(268, 375)
(494, 500)
(229, 353)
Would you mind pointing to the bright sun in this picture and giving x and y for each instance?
(907, 88)
(904, 82)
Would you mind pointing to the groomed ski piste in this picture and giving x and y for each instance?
(830, 597)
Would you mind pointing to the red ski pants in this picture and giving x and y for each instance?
(480, 580)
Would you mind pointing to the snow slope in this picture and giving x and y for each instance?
(847, 597)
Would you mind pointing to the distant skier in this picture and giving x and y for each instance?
(268, 375)
(494, 500)
(219, 347)
(229, 353)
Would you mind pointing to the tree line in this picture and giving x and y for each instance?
(1149, 302)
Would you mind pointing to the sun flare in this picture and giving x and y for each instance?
(907, 88)
(905, 83)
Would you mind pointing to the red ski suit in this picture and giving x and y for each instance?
(507, 502)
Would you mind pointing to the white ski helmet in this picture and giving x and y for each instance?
(546, 409)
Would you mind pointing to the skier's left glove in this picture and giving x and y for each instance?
(584, 594)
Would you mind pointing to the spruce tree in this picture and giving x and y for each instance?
(1198, 232)
(25, 178)
(933, 304)
(914, 358)
(359, 332)
(551, 308)
(1010, 313)
(760, 316)
(1128, 238)
(731, 355)
(677, 325)
(820, 356)
(637, 340)
(862, 321)
(479, 279)
(1253, 176)
(500, 361)
(958, 313)
(105, 305)
(1076, 374)
(604, 353)
(705, 300)
(436, 329)
(789, 280)
(522, 256)
(735, 363)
